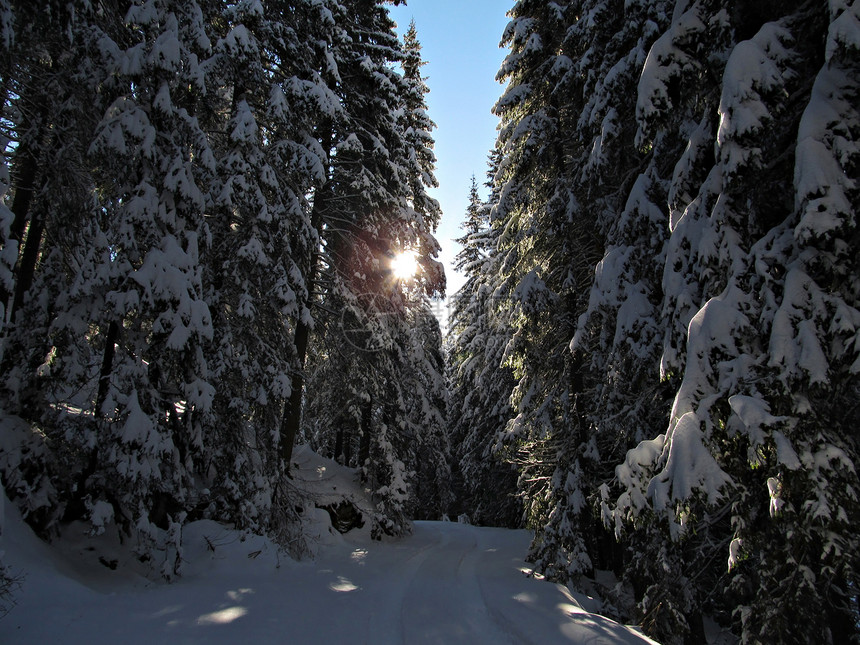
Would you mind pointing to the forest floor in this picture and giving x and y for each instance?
(447, 583)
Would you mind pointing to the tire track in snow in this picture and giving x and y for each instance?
(385, 626)
(510, 627)
(443, 602)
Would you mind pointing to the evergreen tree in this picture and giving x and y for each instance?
(426, 394)
(372, 207)
(200, 183)
(268, 162)
(722, 251)
(548, 247)
(479, 383)
(418, 128)
(746, 419)
(153, 165)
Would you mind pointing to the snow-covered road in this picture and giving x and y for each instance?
(447, 583)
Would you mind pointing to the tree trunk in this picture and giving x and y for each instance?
(364, 444)
(293, 409)
(27, 266)
(107, 367)
(25, 175)
(347, 448)
(25, 178)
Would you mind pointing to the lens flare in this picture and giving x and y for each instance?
(404, 265)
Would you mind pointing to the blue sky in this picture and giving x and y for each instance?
(460, 42)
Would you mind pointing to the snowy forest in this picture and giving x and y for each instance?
(652, 365)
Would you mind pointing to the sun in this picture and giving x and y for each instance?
(404, 265)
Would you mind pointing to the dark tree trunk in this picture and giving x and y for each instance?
(25, 188)
(25, 178)
(25, 175)
(347, 448)
(107, 367)
(293, 409)
(27, 266)
(364, 445)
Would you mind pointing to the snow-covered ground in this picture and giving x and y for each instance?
(447, 583)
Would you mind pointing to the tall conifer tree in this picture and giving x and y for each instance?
(479, 383)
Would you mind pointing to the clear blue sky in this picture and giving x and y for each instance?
(460, 43)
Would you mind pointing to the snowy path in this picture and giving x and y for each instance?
(444, 603)
(448, 583)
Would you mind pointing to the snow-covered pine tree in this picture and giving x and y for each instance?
(365, 208)
(677, 125)
(480, 385)
(753, 341)
(800, 554)
(153, 165)
(408, 452)
(617, 390)
(270, 98)
(418, 128)
(53, 64)
(112, 252)
(47, 58)
(332, 422)
(760, 321)
(218, 146)
(475, 245)
(373, 206)
(548, 248)
(426, 396)
(422, 212)
(29, 102)
(377, 401)
(425, 389)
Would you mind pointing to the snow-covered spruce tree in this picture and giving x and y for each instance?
(618, 394)
(45, 59)
(801, 556)
(426, 395)
(689, 53)
(424, 387)
(372, 206)
(270, 98)
(426, 391)
(377, 401)
(153, 166)
(369, 204)
(418, 129)
(112, 253)
(617, 337)
(332, 424)
(52, 65)
(407, 464)
(218, 146)
(32, 47)
(757, 463)
(167, 165)
(548, 248)
(480, 385)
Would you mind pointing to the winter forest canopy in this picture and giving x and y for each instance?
(653, 363)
